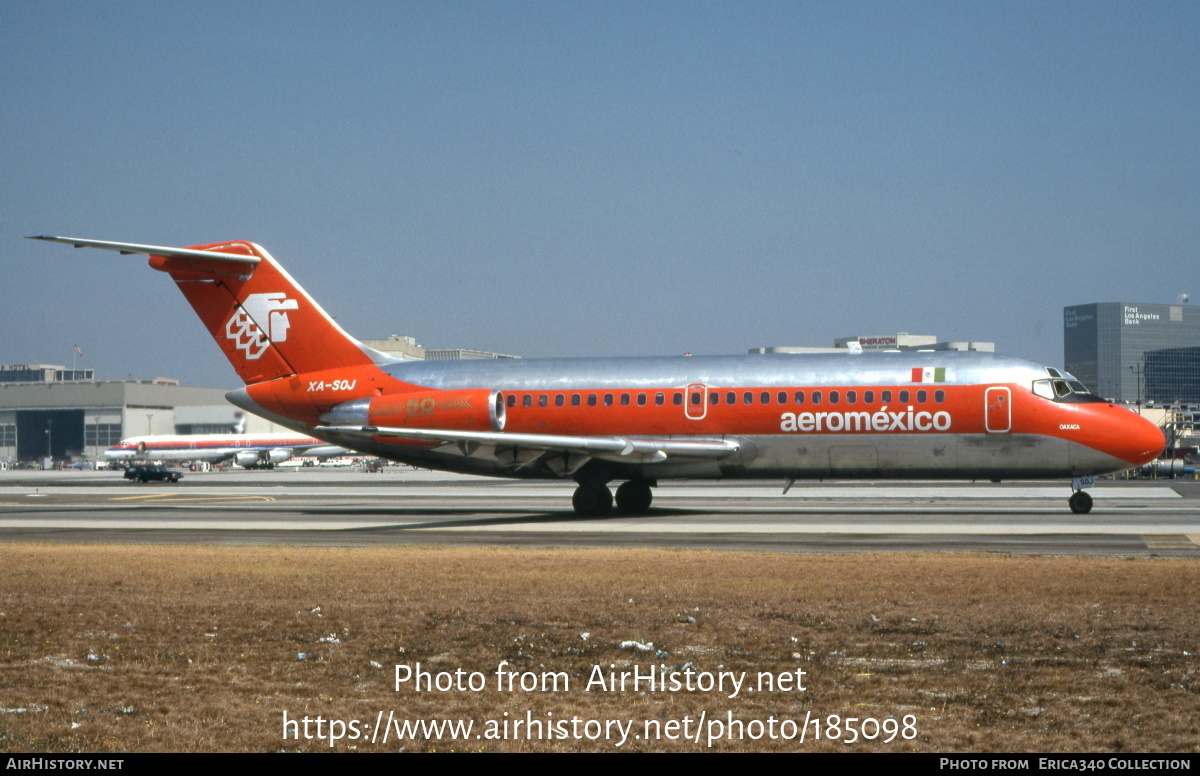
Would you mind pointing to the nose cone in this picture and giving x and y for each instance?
(1139, 441)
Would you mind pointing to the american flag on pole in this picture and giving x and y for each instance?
(929, 374)
(78, 352)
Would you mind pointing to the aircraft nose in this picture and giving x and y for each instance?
(1140, 441)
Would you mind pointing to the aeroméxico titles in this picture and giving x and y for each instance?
(878, 415)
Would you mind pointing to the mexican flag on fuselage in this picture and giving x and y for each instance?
(929, 374)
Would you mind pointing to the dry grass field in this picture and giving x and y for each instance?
(135, 648)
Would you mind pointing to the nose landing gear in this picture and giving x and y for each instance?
(1080, 502)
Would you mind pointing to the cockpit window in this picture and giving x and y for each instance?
(1064, 388)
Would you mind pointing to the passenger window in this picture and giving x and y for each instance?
(730, 397)
(697, 397)
(904, 397)
(782, 397)
(765, 397)
(851, 397)
(660, 399)
(527, 400)
(624, 400)
(558, 400)
(939, 396)
(641, 400)
(834, 397)
(816, 397)
(608, 400)
(591, 400)
(886, 397)
(677, 398)
(868, 397)
(799, 397)
(747, 398)
(543, 399)
(512, 400)
(922, 396)
(714, 398)
(574, 400)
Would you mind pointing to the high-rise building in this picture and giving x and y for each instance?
(1135, 352)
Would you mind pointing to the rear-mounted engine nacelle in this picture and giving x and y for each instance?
(472, 410)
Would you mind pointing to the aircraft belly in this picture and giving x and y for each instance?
(1085, 460)
(906, 456)
(808, 456)
(1000, 456)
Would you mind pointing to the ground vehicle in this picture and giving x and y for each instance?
(152, 472)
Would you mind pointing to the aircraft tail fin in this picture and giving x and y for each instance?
(263, 321)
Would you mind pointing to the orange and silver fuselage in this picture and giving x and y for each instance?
(884, 415)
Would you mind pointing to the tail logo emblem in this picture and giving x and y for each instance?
(260, 320)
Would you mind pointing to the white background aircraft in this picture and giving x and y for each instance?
(250, 451)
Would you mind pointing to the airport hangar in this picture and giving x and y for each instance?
(66, 413)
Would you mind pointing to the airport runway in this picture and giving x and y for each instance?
(342, 507)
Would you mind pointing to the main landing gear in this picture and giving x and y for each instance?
(1081, 503)
(592, 500)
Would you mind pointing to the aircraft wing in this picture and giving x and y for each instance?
(525, 450)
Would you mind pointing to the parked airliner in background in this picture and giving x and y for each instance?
(898, 415)
(250, 451)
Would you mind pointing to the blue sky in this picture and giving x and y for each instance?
(608, 178)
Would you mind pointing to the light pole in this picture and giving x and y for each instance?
(1138, 370)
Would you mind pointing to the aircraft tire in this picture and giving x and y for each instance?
(1081, 503)
(634, 497)
(592, 500)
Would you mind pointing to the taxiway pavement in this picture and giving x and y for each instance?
(315, 506)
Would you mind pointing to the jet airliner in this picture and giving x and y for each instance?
(250, 451)
(878, 415)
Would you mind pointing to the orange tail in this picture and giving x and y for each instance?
(263, 321)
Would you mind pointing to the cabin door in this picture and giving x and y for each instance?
(997, 410)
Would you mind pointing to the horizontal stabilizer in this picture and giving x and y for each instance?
(151, 250)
